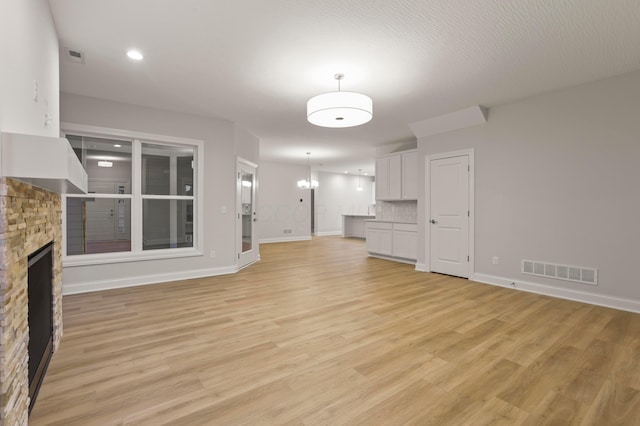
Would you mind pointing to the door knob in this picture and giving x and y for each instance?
(433, 221)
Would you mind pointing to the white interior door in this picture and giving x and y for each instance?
(246, 214)
(449, 215)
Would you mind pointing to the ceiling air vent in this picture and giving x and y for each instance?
(74, 55)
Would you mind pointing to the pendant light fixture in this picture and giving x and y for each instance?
(308, 184)
(339, 109)
(359, 187)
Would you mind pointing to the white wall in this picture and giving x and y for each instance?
(557, 180)
(219, 189)
(247, 145)
(281, 204)
(336, 195)
(28, 53)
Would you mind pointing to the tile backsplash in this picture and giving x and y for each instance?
(401, 211)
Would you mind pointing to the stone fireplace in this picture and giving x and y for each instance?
(30, 218)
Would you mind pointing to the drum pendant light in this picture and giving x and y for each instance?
(339, 109)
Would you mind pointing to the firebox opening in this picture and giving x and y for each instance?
(40, 295)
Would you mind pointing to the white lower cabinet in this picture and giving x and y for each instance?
(380, 238)
(394, 240)
(405, 240)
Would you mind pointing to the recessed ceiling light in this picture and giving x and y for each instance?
(117, 145)
(366, 174)
(135, 54)
(346, 171)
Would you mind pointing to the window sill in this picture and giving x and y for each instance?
(121, 257)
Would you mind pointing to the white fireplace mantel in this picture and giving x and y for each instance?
(43, 161)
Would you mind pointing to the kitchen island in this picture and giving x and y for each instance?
(353, 225)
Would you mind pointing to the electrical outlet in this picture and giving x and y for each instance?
(212, 254)
(496, 260)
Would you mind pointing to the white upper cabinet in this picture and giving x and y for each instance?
(382, 178)
(397, 176)
(410, 176)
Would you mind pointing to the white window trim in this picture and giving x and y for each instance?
(133, 256)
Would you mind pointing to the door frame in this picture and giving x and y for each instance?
(253, 255)
(427, 205)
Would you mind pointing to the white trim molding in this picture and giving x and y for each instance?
(98, 131)
(328, 233)
(421, 267)
(118, 257)
(98, 285)
(283, 240)
(561, 293)
(391, 258)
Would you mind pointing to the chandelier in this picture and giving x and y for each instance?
(308, 184)
(339, 109)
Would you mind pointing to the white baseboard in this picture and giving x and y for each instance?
(99, 285)
(422, 267)
(284, 240)
(328, 233)
(562, 293)
(394, 259)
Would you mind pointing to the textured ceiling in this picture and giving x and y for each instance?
(257, 62)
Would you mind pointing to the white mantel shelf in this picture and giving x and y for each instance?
(43, 161)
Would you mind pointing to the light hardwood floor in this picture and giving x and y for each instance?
(317, 333)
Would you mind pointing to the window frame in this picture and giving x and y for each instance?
(137, 252)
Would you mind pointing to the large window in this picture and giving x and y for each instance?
(141, 201)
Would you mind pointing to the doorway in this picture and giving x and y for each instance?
(449, 213)
(246, 214)
(313, 211)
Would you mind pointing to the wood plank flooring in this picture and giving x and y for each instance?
(318, 333)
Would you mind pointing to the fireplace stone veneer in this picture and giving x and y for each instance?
(30, 217)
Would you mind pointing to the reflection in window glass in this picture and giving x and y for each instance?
(167, 224)
(167, 170)
(106, 161)
(159, 205)
(98, 225)
(247, 209)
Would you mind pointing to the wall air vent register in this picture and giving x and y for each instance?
(577, 274)
(74, 55)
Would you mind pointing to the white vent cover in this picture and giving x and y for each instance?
(74, 55)
(577, 274)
